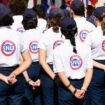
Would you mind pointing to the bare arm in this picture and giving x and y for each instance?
(65, 81)
(26, 76)
(4, 78)
(24, 65)
(87, 79)
(42, 61)
(68, 84)
(99, 65)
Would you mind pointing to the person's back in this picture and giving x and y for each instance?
(96, 41)
(72, 65)
(11, 80)
(72, 61)
(41, 12)
(31, 37)
(84, 27)
(18, 7)
(46, 47)
(10, 44)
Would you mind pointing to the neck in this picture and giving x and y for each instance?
(77, 16)
(98, 23)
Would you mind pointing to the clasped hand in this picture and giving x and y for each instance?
(79, 94)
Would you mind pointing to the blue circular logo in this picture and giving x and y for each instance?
(103, 45)
(20, 29)
(33, 47)
(75, 62)
(57, 43)
(83, 34)
(8, 48)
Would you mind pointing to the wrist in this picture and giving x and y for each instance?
(68, 86)
(84, 89)
(28, 80)
(54, 76)
(14, 74)
(71, 88)
(2, 77)
(74, 91)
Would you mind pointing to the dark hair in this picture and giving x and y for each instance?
(103, 24)
(6, 21)
(90, 10)
(41, 11)
(80, 11)
(29, 23)
(69, 33)
(55, 22)
(54, 17)
(18, 6)
(66, 13)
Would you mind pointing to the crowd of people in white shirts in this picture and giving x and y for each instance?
(51, 59)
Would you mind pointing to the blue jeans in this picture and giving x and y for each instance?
(33, 97)
(65, 97)
(49, 90)
(96, 91)
(11, 94)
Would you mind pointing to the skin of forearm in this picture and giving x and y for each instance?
(87, 79)
(65, 81)
(99, 65)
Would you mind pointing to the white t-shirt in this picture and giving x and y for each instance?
(17, 25)
(84, 28)
(73, 65)
(41, 26)
(96, 40)
(10, 47)
(31, 40)
(49, 42)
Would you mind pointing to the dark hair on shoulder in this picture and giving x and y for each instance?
(103, 24)
(18, 6)
(29, 23)
(41, 11)
(6, 21)
(69, 32)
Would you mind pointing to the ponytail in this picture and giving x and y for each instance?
(54, 22)
(103, 24)
(71, 36)
(69, 33)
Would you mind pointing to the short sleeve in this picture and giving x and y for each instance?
(42, 43)
(58, 65)
(88, 40)
(24, 46)
(89, 59)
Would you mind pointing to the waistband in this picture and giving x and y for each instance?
(9, 68)
(100, 61)
(76, 79)
(35, 62)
